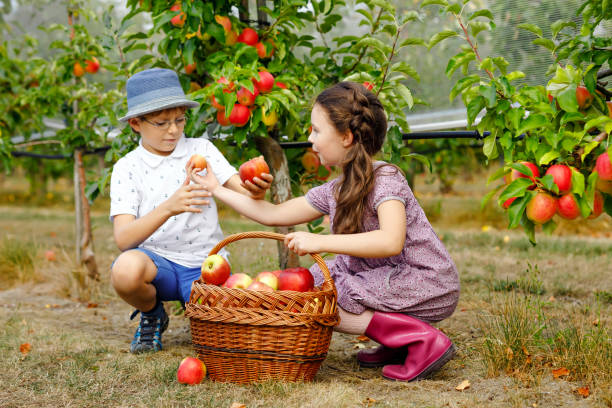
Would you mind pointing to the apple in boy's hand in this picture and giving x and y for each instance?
(215, 270)
(260, 286)
(253, 168)
(299, 279)
(268, 278)
(191, 371)
(198, 161)
(238, 281)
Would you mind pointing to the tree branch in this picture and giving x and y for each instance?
(363, 50)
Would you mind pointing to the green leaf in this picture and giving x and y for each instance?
(532, 122)
(490, 146)
(388, 7)
(529, 228)
(549, 183)
(375, 43)
(597, 122)
(499, 173)
(462, 84)
(559, 25)
(436, 38)
(567, 99)
(548, 157)
(588, 149)
(413, 41)
(474, 108)
(549, 227)
(405, 94)
(531, 27)
(577, 182)
(477, 27)
(501, 64)
(430, 2)
(488, 196)
(489, 93)
(516, 210)
(453, 8)
(423, 159)
(515, 115)
(481, 13)
(517, 188)
(546, 43)
(406, 69)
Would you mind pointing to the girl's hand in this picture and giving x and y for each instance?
(208, 181)
(258, 189)
(303, 243)
(186, 198)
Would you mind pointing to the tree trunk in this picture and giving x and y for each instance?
(281, 191)
(84, 242)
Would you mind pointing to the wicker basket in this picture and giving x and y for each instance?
(246, 336)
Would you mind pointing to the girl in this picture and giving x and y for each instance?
(392, 273)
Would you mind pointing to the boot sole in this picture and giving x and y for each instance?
(433, 367)
(398, 360)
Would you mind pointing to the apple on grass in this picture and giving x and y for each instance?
(298, 279)
(191, 371)
(215, 270)
(252, 168)
(238, 281)
(269, 278)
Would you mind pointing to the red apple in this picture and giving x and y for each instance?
(253, 168)
(583, 97)
(508, 202)
(515, 174)
(541, 208)
(179, 19)
(265, 82)
(238, 281)
(568, 207)
(260, 286)
(191, 371)
(609, 104)
(246, 97)
(604, 186)
(50, 255)
(199, 161)
(92, 65)
(222, 119)
(248, 36)
(229, 86)
(215, 270)
(231, 37)
(368, 85)
(261, 50)
(562, 175)
(297, 279)
(598, 203)
(189, 68)
(269, 278)
(240, 115)
(215, 104)
(603, 166)
(78, 70)
(310, 161)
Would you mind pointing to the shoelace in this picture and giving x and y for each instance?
(148, 326)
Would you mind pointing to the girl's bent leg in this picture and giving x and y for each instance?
(131, 276)
(351, 323)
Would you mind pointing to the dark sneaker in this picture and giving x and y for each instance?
(148, 336)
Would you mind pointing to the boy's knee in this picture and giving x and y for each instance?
(130, 270)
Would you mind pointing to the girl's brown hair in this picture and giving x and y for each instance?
(351, 107)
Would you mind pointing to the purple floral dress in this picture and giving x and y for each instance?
(421, 281)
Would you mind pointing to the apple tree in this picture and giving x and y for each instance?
(554, 138)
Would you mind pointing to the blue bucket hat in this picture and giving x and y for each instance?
(154, 90)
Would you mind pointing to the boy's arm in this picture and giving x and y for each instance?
(255, 190)
(129, 231)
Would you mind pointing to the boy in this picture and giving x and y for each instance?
(163, 225)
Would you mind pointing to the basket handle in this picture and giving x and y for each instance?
(328, 283)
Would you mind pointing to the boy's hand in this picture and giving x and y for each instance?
(208, 181)
(186, 198)
(258, 189)
(303, 243)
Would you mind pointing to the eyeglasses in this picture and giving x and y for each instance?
(165, 125)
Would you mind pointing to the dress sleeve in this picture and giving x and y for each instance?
(390, 184)
(320, 197)
(221, 167)
(125, 196)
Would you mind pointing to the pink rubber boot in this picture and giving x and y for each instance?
(427, 347)
(381, 356)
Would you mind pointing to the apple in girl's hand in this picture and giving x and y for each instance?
(299, 279)
(191, 371)
(268, 278)
(238, 281)
(215, 270)
(253, 168)
(260, 286)
(198, 161)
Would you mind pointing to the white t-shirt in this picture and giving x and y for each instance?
(142, 180)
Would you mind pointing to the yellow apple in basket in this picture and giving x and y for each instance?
(215, 270)
(238, 281)
(269, 278)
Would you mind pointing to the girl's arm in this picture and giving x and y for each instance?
(292, 212)
(381, 243)
(129, 231)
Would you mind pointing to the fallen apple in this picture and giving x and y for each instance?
(50, 255)
(215, 270)
(191, 371)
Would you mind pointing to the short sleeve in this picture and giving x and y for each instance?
(125, 196)
(221, 167)
(390, 184)
(321, 196)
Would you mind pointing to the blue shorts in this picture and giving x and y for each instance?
(173, 281)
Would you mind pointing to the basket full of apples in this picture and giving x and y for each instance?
(277, 326)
